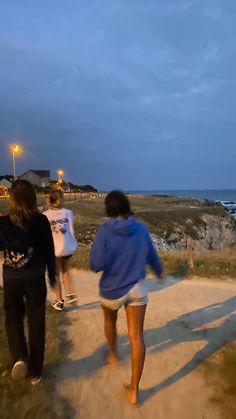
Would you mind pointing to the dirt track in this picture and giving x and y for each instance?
(186, 322)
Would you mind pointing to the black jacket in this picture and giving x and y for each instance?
(27, 251)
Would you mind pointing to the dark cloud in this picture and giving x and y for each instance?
(124, 94)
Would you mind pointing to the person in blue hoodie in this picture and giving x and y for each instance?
(121, 250)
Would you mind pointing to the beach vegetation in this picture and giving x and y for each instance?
(215, 264)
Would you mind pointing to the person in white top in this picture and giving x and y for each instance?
(65, 244)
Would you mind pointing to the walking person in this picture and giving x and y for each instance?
(26, 240)
(121, 250)
(65, 244)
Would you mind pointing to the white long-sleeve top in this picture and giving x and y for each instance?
(62, 225)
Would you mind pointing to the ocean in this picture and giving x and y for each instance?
(211, 194)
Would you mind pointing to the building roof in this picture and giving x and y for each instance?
(5, 183)
(7, 177)
(40, 173)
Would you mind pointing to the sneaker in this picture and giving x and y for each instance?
(71, 298)
(58, 305)
(18, 371)
(36, 380)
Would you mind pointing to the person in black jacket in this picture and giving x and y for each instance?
(28, 250)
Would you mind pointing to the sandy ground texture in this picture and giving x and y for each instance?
(186, 322)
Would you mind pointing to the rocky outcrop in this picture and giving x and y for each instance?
(213, 233)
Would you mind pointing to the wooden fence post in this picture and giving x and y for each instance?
(190, 252)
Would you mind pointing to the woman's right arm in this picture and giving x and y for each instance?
(97, 256)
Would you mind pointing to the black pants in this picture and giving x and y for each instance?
(25, 295)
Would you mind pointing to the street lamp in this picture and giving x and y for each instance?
(15, 149)
(60, 173)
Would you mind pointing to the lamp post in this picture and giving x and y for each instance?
(15, 149)
(60, 173)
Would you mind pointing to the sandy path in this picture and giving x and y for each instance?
(186, 321)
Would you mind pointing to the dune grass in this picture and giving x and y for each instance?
(210, 264)
(24, 401)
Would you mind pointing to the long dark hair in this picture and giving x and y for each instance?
(23, 202)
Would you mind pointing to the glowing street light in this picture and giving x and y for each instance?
(15, 149)
(60, 173)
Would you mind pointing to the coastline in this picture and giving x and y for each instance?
(208, 194)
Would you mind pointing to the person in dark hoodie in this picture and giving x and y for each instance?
(122, 248)
(27, 244)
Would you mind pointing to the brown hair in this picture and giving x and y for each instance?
(55, 198)
(23, 202)
(117, 203)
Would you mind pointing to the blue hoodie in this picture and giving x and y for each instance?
(121, 250)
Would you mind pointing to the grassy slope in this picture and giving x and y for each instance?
(22, 400)
(160, 214)
(210, 264)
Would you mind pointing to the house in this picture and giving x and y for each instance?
(9, 178)
(38, 178)
(5, 184)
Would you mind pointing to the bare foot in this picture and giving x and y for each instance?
(112, 360)
(131, 395)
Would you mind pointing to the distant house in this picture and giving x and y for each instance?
(38, 178)
(10, 178)
(5, 184)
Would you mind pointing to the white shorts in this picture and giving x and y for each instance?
(137, 296)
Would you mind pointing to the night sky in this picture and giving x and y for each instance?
(129, 94)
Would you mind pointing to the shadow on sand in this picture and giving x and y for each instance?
(87, 306)
(181, 329)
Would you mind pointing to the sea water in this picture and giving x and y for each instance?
(210, 194)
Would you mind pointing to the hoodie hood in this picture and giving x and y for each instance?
(122, 227)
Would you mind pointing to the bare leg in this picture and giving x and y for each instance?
(66, 277)
(135, 320)
(110, 317)
(58, 293)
